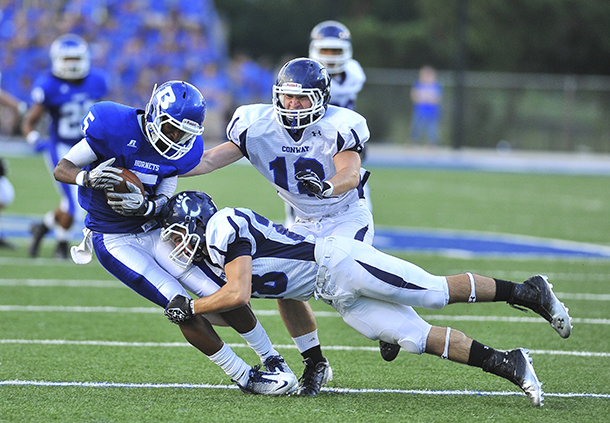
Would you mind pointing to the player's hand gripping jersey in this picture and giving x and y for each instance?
(278, 157)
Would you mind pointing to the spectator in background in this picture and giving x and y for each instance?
(426, 95)
(66, 93)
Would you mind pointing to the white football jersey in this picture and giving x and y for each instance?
(344, 88)
(283, 263)
(278, 157)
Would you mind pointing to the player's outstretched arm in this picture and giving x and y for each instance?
(215, 158)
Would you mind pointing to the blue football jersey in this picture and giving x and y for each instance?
(67, 103)
(115, 130)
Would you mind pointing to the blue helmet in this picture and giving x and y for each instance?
(333, 36)
(184, 219)
(174, 118)
(70, 58)
(306, 77)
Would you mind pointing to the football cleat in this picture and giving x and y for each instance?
(39, 230)
(269, 383)
(388, 351)
(276, 363)
(516, 366)
(536, 293)
(61, 250)
(8, 245)
(314, 376)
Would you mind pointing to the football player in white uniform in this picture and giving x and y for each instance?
(374, 292)
(331, 44)
(309, 151)
(157, 144)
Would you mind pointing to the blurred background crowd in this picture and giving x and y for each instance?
(536, 73)
(137, 43)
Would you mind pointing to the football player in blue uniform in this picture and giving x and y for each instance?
(374, 292)
(66, 93)
(157, 144)
(309, 151)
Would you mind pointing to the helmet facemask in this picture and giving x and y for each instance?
(159, 123)
(189, 245)
(300, 118)
(335, 63)
(70, 57)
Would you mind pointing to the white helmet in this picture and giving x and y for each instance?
(331, 35)
(70, 57)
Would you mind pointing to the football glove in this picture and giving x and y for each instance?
(130, 203)
(311, 180)
(103, 176)
(180, 309)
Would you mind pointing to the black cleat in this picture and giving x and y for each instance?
(516, 366)
(536, 293)
(314, 376)
(8, 245)
(61, 250)
(38, 230)
(388, 351)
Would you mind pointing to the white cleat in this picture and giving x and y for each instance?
(269, 383)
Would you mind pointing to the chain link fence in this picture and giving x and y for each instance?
(501, 110)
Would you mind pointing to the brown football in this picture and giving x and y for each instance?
(127, 175)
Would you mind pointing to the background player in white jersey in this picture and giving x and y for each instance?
(331, 45)
(374, 292)
(65, 93)
(309, 152)
(157, 145)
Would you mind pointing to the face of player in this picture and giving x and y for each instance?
(296, 102)
(173, 133)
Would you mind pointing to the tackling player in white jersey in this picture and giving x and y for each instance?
(309, 151)
(374, 292)
(157, 144)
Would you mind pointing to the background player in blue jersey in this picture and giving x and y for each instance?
(65, 93)
(157, 144)
(374, 292)
(309, 151)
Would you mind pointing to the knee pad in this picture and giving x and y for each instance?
(434, 300)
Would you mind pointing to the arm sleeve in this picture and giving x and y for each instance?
(81, 154)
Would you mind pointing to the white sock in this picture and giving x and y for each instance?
(258, 340)
(307, 341)
(236, 368)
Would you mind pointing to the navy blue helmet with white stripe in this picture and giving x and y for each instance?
(184, 219)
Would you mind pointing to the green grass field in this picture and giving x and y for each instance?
(77, 346)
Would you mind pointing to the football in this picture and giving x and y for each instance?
(127, 175)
